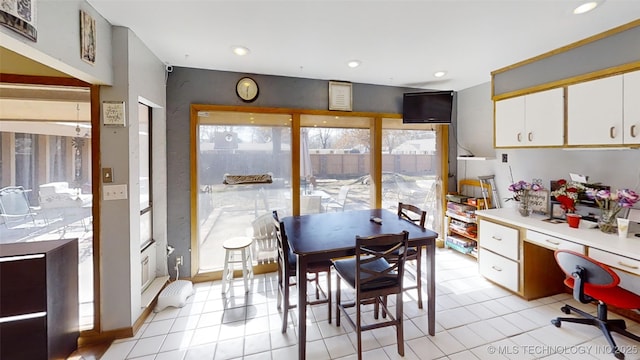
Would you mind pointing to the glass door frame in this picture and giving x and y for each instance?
(376, 126)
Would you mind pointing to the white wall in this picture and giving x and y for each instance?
(618, 168)
(58, 45)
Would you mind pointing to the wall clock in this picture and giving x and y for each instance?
(247, 89)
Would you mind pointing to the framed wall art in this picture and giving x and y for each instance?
(20, 16)
(113, 113)
(539, 201)
(340, 96)
(87, 37)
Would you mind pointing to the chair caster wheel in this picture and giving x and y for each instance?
(556, 322)
(618, 354)
(565, 309)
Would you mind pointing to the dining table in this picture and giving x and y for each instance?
(325, 236)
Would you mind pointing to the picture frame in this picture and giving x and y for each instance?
(633, 215)
(557, 212)
(113, 113)
(20, 16)
(340, 96)
(87, 37)
(539, 202)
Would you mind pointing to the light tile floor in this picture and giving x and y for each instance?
(475, 320)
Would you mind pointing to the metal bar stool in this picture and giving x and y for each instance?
(233, 247)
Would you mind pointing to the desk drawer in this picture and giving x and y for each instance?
(500, 239)
(552, 242)
(616, 261)
(499, 269)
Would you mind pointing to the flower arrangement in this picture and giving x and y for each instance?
(567, 194)
(521, 188)
(521, 194)
(610, 203)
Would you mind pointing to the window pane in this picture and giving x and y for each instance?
(410, 169)
(239, 144)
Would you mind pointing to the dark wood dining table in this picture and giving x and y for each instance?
(326, 236)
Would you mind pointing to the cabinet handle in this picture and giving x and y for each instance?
(496, 238)
(632, 131)
(552, 242)
(612, 132)
(496, 268)
(519, 137)
(530, 136)
(627, 265)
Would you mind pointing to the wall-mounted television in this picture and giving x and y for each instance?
(429, 107)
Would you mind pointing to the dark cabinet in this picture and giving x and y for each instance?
(39, 299)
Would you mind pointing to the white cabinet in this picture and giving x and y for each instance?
(631, 109)
(594, 112)
(498, 254)
(531, 120)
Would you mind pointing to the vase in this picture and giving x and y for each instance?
(523, 206)
(607, 222)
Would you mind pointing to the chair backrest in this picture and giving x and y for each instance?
(265, 245)
(584, 273)
(342, 195)
(14, 202)
(380, 261)
(310, 204)
(283, 246)
(412, 213)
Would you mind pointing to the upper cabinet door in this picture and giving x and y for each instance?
(531, 120)
(544, 118)
(509, 122)
(631, 101)
(594, 114)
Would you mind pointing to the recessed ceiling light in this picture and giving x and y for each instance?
(439, 74)
(354, 63)
(240, 50)
(585, 8)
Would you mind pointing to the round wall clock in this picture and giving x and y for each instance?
(247, 89)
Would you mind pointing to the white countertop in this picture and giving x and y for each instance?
(629, 247)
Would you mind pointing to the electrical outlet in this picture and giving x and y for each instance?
(504, 158)
(179, 260)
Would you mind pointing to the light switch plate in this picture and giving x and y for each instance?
(114, 192)
(107, 175)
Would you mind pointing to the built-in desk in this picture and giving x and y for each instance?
(516, 252)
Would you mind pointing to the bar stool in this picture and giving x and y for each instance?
(233, 247)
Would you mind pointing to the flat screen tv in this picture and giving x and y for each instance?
(430, 107)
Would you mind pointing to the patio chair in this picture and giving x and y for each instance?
(375, 272)
(338, 204)
(265, 247)
(310, 204)
(287, 267)
(14, 205)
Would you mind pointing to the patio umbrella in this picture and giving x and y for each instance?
(306, 170)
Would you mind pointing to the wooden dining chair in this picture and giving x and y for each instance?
(375, 272)
(287, 267)
(417, 216)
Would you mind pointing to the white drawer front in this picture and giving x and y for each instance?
(499, 269)
(616, 261)
(552, 242)
(499, 239)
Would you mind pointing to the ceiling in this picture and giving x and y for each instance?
(400, 43)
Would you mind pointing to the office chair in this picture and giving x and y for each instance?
(375, 272)
(287, 267)
(594, 281)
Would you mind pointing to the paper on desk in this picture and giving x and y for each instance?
(578, 178)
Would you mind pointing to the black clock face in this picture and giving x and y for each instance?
(247, 89)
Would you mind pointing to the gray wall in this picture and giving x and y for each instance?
(187, 86)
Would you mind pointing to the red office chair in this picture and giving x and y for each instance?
(593, 281)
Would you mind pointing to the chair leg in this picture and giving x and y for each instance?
(280, 289)
(419, 275)
(399, 326)
(359, 327)
(338, 293)
(329, 295)
(285, 308)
